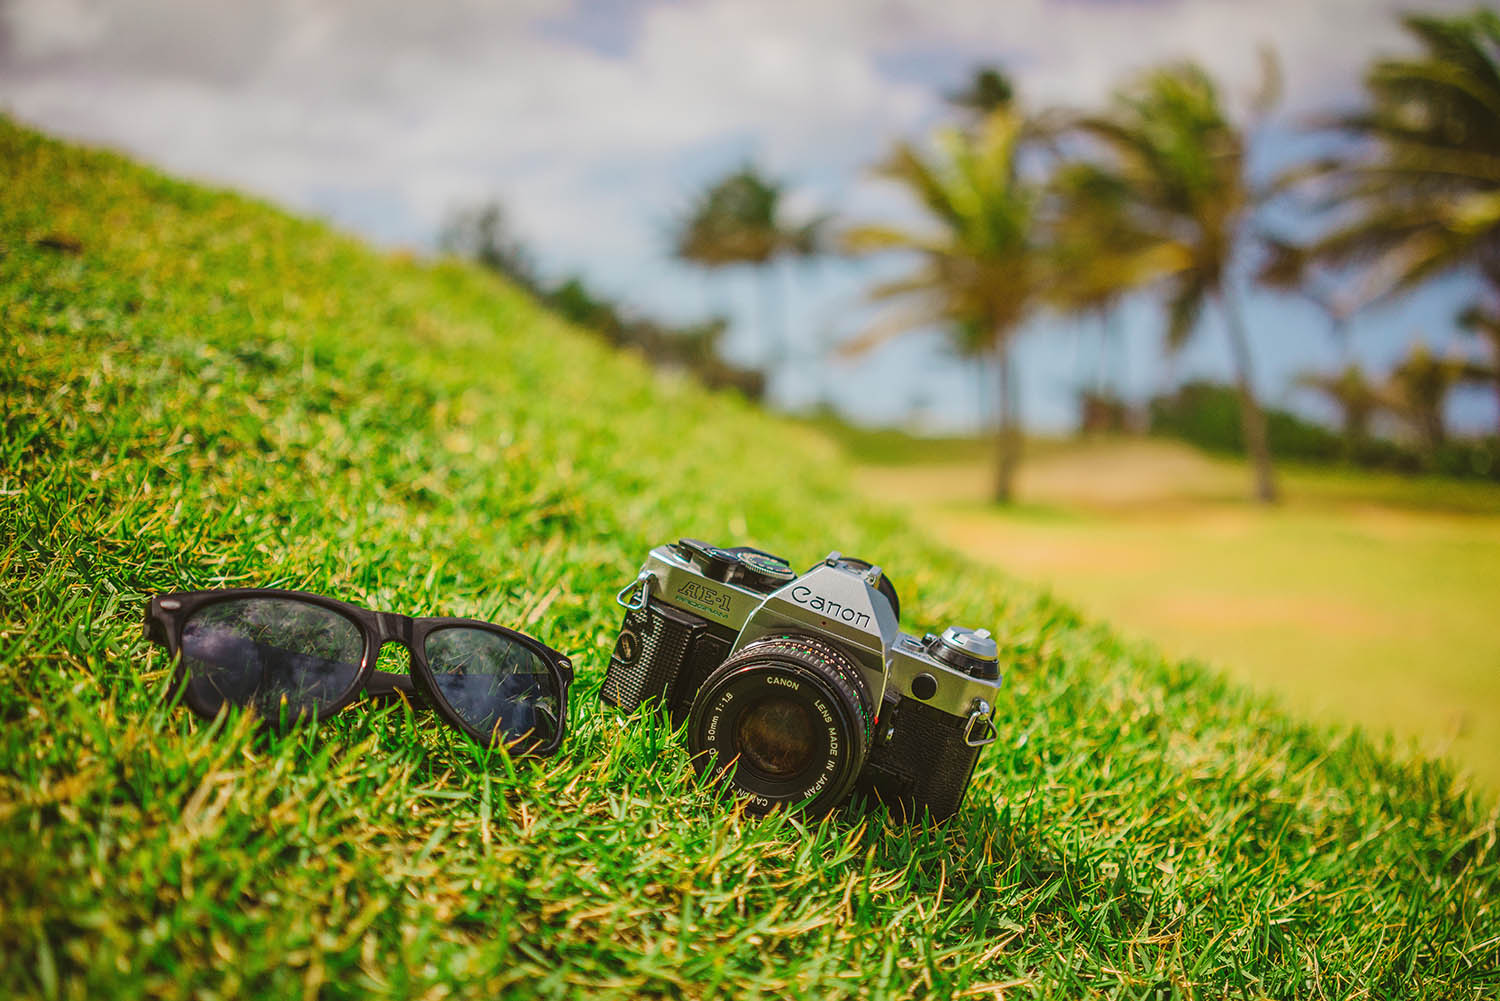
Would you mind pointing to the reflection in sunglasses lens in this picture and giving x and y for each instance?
(283, 658)
(496, 685)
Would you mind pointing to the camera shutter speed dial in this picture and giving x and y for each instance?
(972, 651)
(763, 571)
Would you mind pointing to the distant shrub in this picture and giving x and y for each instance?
(1207, 414)
(1102, 412)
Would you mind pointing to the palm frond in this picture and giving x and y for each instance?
(1162, 198)
(1285, 265)
(1423, 188)
(891, 327)
(928, 281)
(1485, 323)
(875, 238)
(908, 167)
(738, 220)
(979, 271)
(1184, 307)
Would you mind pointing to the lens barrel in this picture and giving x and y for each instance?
(787, 719)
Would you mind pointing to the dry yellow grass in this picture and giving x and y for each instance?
(1359, 599)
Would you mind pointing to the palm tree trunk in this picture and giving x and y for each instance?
(1252, 418)
(767, 294)
(1491, 272)
(1342, 339)
(1007, 432)
(1114, 342)
(1497, 395)
(1494, 339)
(1357, 412)
(1083, 378)
(1434, 429)
(981, 391)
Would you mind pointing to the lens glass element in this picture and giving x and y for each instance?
(494, 683)
(777, 737)
(786, 720)
(281, 657)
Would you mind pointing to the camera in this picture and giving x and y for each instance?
(800, 688)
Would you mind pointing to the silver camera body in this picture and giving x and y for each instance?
(802, 688)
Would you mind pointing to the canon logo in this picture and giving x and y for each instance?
(803, 595)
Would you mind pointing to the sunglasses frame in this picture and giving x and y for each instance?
(167, 614)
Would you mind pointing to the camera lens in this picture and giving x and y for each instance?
(787, 720)
(776, 736)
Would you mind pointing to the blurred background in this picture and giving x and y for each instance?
(1189, 309)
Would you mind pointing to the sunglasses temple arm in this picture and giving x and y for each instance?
(385, 684)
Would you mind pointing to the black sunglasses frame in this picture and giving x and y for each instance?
(167, 614)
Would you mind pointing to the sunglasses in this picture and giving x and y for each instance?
(287, 655)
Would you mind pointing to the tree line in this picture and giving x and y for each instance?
(481, 235)
(1026, 211)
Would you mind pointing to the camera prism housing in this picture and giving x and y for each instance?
(800, 688)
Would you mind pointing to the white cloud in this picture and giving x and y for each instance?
(40, 30)
(386, 114)
(437, 102)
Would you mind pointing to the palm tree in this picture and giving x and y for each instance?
(980, 271)
(1418, 195)
(738, 220)
(989, 89)
(1357, 398)
(1485, 323)
(1179, 164)
(1097, 254)
(1418, 389)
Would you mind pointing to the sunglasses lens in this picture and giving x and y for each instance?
(283, 658)
(495, 684)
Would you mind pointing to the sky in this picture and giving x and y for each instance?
(594, 123)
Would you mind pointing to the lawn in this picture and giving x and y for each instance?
(1361, 598)
(199, 390)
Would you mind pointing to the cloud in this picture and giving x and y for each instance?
(594, 121)
(557, 104)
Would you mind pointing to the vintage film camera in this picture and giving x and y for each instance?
(802, 688)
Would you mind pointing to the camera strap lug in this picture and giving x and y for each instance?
(633, 596)
(980, 714)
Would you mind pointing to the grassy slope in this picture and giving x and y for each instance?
(211, 393)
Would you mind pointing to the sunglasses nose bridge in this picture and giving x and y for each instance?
(394, 628)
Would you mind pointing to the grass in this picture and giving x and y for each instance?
(199, 390)
(1361, 598)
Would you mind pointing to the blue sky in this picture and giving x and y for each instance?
(594, 123)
